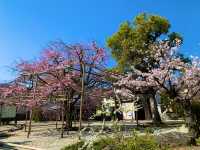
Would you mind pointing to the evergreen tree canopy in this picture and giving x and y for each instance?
(131, 44)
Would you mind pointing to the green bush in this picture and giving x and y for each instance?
(172, 106)
(196, 109)
(146, 142)
(74, 146)
(139, 143)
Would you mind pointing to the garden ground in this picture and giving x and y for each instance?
(44, 135)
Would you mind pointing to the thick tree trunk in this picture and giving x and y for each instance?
(147, 110)
(68, 112)
(190, 122)
(154, 110)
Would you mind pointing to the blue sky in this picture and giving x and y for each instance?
(26, 26)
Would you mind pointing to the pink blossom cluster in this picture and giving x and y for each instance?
(180, 79)
(57, 70)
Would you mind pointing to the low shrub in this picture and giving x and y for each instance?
(145, 142)
(74, 146)
(132, 143)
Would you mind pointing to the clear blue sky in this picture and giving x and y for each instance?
(26, 26)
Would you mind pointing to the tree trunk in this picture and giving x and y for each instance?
(31, 110)
(30, 122)
(147, 110)
(103, 124)
(57, 116)
(68, 112)
(26, 121)
(154, 111)
(62, 128)
(56, 120)
(15, 121)
(1, 107)
(190, 122)
(82, 97)
(137, 119)
(70, 117)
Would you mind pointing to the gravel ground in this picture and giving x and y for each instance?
(46, 137)
(43, 136)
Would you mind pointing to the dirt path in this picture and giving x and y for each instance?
(43, 136)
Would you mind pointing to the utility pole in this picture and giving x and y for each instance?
(31, 110)
(82, 96)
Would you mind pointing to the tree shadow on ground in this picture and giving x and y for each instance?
(4, 135)
(7, 146)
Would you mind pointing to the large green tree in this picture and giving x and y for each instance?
(131, 44)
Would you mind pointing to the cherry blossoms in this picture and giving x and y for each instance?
(57, 74)
(179, 79)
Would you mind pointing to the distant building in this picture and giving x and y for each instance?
(7, 113)
(144, 109)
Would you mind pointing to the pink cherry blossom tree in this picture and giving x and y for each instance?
(179, 79)
(67, 72)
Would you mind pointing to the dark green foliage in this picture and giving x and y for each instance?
(184, 58)
(196, 108)
(114, 70)
(172, 38)
(171, 105)
(130, 45)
